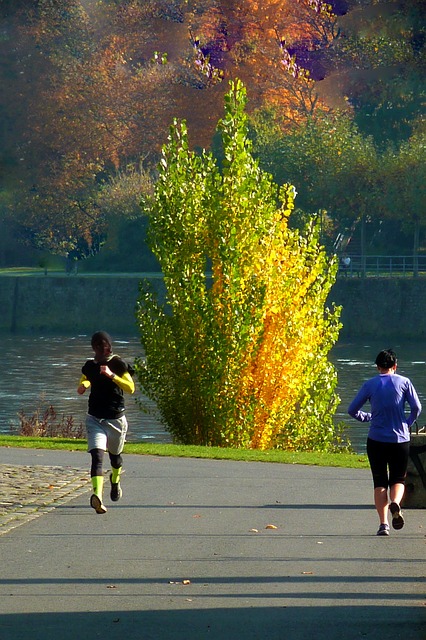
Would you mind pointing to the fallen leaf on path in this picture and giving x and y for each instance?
(254, 530)
(271, 526)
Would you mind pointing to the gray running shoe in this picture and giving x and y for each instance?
(383, 530)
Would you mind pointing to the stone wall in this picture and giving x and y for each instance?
(69, 304)
(372, 307)
(375, 307)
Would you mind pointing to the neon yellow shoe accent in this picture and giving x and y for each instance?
(98, 485)
(115, 475)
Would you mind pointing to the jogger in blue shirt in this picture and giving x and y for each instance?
(388, 439)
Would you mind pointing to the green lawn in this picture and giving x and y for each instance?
(348, 460)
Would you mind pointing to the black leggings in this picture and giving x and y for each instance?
(97, 460)
(388, 455)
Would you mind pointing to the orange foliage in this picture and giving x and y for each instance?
(102, 82)
(292, 324)
(121, 104)
(243, 39)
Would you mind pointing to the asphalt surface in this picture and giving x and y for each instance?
(203, 549)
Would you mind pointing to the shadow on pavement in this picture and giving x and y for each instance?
(252, 623)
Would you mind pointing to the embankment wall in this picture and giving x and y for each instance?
(372, 307)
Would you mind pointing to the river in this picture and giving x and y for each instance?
(48, 368)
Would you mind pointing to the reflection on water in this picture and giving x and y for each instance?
(50, 367)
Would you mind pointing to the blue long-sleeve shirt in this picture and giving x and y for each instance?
(387, 393)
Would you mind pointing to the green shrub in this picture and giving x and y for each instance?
(238, 358)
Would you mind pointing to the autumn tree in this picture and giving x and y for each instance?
(378, 64)
(118, 201)
(254, 41)
(238, 358)
(91, 87)
(345, 160)
(333, 166)
(402, 189)
(91, 110)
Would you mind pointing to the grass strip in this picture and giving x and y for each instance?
(312, 458)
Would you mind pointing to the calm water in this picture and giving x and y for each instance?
(49, 368)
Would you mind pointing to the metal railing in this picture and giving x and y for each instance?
(397, 266)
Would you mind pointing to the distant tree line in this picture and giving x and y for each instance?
(335, 102)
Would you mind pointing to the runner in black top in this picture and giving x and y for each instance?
(108, 378)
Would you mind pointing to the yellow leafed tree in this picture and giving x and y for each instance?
(239, 358)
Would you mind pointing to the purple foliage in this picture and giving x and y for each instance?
(309, 60)
(339, 7)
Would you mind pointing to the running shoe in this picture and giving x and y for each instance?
(383, 530)
(397, 519)
(116, 491)
(96, 504)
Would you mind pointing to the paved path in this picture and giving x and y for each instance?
(29, 491)
(187, 555)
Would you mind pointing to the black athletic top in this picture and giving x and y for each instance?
(106, 399)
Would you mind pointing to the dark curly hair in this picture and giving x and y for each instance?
(386, 359)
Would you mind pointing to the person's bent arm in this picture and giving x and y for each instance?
(125, 382)
(83, 385)
(354, 408)
(415, 405)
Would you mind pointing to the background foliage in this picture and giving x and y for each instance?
(91, 87)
